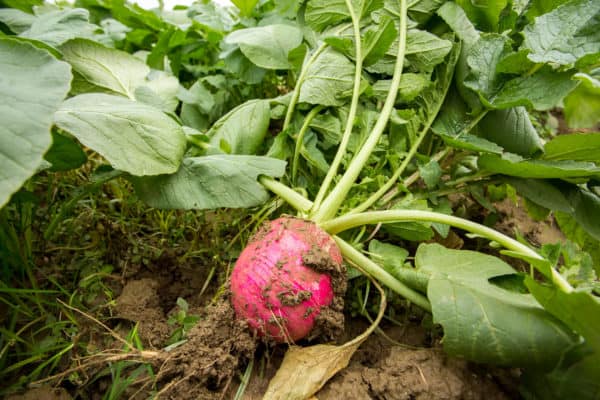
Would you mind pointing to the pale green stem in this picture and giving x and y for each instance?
(335, 198)
(411, 153)
(300, 139)
(301, 78)
(293, 198)
(381, 275)
(373, 198)
(534, 69)
(469, 178)
(341, 151)
(388, 216)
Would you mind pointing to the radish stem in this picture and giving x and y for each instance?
(341, 151)
(345, 222)
(381, 275)
(335, 198)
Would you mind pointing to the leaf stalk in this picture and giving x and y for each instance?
(341, 151)
(349, 221)
(335, 198)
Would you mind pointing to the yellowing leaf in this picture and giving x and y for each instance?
(306, 369)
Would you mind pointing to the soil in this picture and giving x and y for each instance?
(219, 347)
(401, 373)
(514, 217)
(204, 365)
(382, 369)
(208, 365)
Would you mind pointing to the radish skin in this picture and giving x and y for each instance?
(278, 284)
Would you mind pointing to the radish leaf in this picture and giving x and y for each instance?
(32, 87)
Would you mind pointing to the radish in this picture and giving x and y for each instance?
(288, 282)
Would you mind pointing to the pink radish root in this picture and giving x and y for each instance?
(289, 280)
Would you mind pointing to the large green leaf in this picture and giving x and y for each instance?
(471, 142)
(104, 67)
(133, 137)
(390, 256)
(587, 210)
(512, 129)
(535, 8)
(582, 106)
(422, 10)
(414, 231)
(483, 322)
(32, 86)
(543, 193)
(23, 5)
(424, 51)
(212, 16)
(485, 14)
(237, 63)
(377, 39)
(576, 377)
(242, 130)
(458, 21)
(453, 120)
(513, 165)
(328, 79)
(574, 232)
(579, 310)
(160, 90)
(210, 182)
(17, 21)
(329, 127)
(482, 59)
(566, 34)
(541, 91)
(322, 14)
(578, 147)
(267, 46)
(411, 85)
(56, 27)
(581, 204)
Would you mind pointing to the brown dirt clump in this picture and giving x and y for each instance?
(139, 302)
(203, 367)
(407, 374)
(515, 217)
(381, 369)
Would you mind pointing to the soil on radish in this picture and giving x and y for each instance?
(289, 282)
